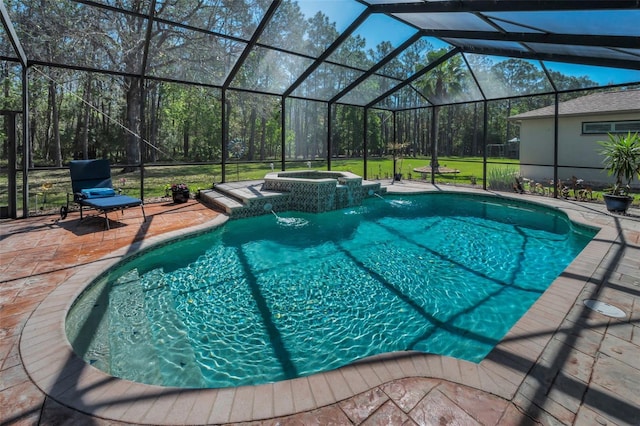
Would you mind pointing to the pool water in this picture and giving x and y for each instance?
(277, 297)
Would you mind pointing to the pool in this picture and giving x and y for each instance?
(267, 299)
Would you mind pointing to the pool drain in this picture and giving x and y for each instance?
(604, 308)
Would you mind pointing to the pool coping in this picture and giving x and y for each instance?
(53, 366)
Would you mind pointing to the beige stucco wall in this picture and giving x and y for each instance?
(574, 148)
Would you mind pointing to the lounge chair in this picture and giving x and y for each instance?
(92, 187)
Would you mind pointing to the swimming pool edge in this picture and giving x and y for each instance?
(57, 371)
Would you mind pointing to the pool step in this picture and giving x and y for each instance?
(255, 198)
(178, 364)
(244, 199)
(133, 356)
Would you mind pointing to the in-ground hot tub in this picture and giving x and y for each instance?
(316, 191)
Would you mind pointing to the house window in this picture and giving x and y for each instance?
(600, 127)
(627, 126)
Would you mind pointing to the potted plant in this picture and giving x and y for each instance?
(621, 159)
(396, 151)
(179, 192)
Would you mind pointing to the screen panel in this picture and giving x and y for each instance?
(191, 56)
(270, 71)
(501, 77)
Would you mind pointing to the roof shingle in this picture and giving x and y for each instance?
(596, 103)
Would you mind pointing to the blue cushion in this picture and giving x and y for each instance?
(111, 203)
(98, 192)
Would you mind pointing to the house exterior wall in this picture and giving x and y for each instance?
(574, 148)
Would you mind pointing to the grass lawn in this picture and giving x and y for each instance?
(49, 188)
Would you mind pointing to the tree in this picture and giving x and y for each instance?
(521, 77)
(441, 85)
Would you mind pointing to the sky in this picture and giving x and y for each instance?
(380, 28)
(601, 75)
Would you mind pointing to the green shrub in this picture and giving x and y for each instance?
(501, 178)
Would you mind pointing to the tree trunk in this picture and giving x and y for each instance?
(299, 117)
(508, 132)
(252, 134)
(132, 148)
(263, 137)
(32, 138)
(48, 149)
(55, 128)
(449, 147)
(436, 130)
(185, 138)
(153, 131)
(4, 75)
(474, 146)
(84, 138)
